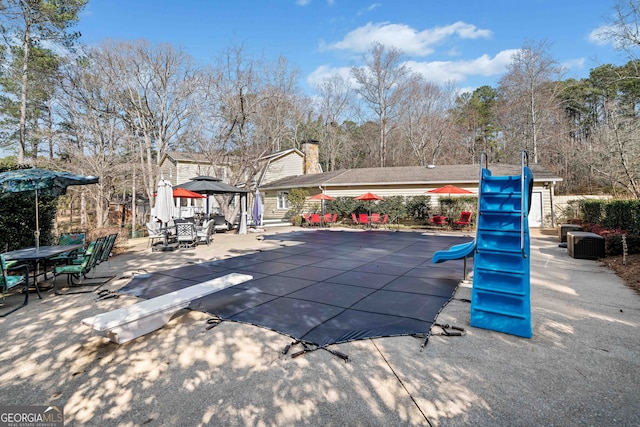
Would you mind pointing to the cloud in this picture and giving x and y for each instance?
(405, 38)
(435, 71)
(599, 35)
(368, 9)
(458, 71)
(319, 74)
(570, 64)
(303, 2)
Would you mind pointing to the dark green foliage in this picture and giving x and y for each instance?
(419, 208)
(593, 210)
(18, 220)
(394, 206)
(622, 214)
(343, 206)
(297, 198)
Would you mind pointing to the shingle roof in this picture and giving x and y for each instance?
(446, 174)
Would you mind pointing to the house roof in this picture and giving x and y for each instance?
(405, 175)
(281, 154)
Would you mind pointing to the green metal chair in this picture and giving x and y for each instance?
(80, 271)
(8, 281)
(67, 257)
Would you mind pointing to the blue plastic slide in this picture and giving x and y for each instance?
(454, 252)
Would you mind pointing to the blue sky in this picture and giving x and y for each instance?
(468, 41)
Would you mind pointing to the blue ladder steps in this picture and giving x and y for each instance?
(501, 297)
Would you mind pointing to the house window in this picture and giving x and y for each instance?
(283, 200)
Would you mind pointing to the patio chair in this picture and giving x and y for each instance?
(67, 257)
(205, 232)
(154, 232)
(80, 271)
(354, 218)
(385, 220)
(375, 219)
(104, 255)
(316, 220)
(363, 219)
(327, 218)
(186, 234)
(463, 221)
(8, 281)
(439, 220)
(307, 220)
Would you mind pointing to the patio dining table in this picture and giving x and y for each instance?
(36, 255)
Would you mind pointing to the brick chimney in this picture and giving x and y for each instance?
(311, 157)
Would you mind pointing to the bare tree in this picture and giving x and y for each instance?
(529, 92)
(380, 84)
(155, 87)
(335, 106)
(96, 137)
(424, 118)
(617, 153)
(624, 28)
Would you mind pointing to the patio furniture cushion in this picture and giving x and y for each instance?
(8, 281)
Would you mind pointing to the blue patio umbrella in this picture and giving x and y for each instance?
(42, 182)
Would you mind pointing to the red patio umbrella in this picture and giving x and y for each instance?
(450, 189)
(321, 196)
(187, 194)
(368, 196)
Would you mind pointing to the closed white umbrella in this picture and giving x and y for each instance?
(164, 201)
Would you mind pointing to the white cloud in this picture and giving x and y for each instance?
(405, 38)
(458, 71)
(598, 36)
(436, 71)
(368, 9)
(303, 2)
(570, 64)
(319, 74)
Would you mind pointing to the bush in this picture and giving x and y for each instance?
(419, 208)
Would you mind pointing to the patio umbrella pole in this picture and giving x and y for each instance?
(36, 233)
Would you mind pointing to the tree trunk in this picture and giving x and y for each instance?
(26, 48)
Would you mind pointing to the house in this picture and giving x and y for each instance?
(406, 181)
(180, 167)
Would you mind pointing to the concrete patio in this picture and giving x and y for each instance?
(582, 366)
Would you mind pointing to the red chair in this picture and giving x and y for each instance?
(354, 218)
(316, 220)
(463, 221)
(439, 220)
(306, 218)
(327, 218)
(385, 219)
(335, 218)
(375, 219)
(363, 219)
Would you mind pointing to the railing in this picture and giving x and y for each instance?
(523, 193)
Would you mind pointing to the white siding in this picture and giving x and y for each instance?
(288, 165)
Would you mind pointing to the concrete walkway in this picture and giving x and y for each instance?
(582, 366)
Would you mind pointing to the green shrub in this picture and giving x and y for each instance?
(419, 208)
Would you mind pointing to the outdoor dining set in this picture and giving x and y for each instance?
(72, 256)
(180, 233)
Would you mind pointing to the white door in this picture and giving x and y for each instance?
(535, 213)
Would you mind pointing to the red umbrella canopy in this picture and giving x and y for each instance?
(450, 189)
(321, 196)
(183, 192)
(368, 196)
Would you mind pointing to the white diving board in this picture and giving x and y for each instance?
(127, 323)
